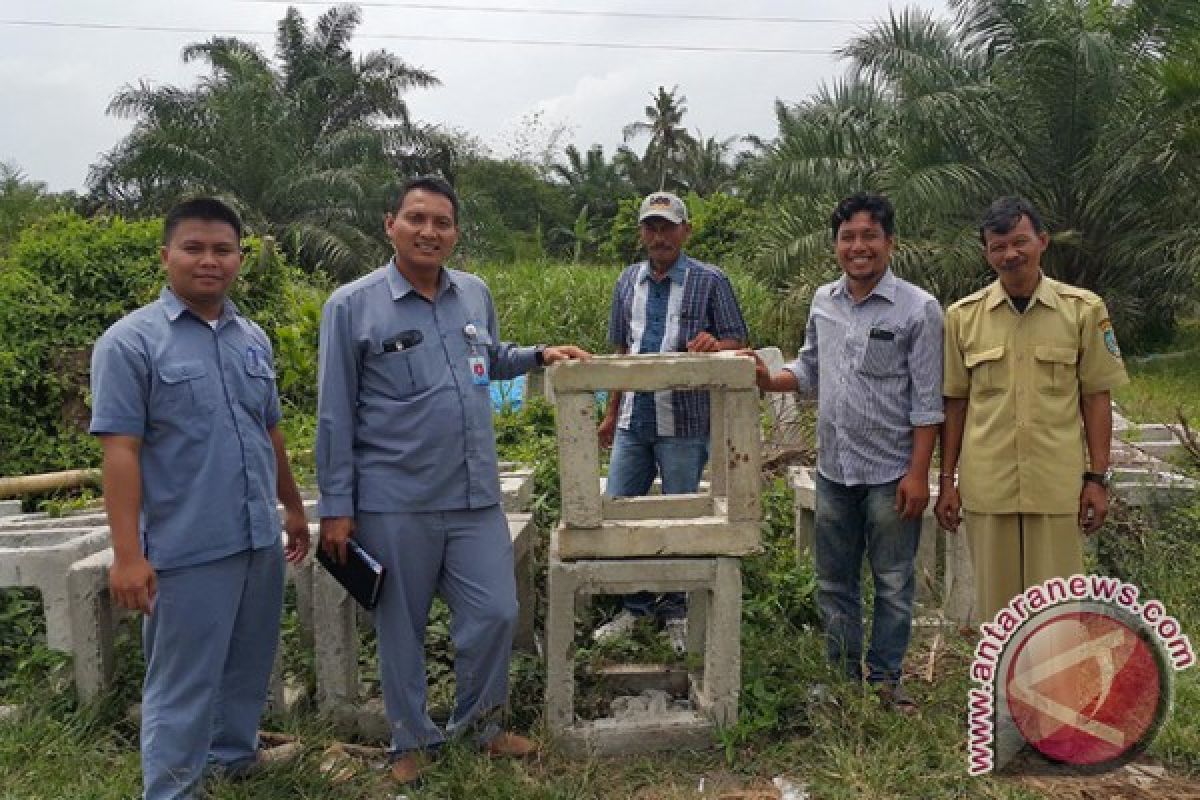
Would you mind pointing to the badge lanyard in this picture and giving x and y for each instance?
(475, 361)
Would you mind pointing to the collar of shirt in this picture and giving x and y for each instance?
(399, 285)
(173, 307)
(886, 288)
(1044, 294)
(676, 273)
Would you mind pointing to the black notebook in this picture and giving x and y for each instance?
(361, 575)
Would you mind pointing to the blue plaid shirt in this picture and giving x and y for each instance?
(701, 299)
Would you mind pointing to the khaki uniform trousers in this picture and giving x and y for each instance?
(1011, 552)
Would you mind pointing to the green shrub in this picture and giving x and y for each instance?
(65, 281)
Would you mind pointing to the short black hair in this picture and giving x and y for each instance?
(1005, 214)
(430, 183)
(878, 206)
(208, 209)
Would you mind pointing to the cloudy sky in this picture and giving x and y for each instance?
(499, 62)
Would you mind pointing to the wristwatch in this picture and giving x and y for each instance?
(1102, 478)
(539, 355)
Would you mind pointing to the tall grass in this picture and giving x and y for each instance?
(570, 303)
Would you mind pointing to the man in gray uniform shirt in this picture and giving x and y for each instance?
(406, 464)
(185, 405)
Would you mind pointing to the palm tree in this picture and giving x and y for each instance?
(1062, 101)
(664, 118)
(306, 147)
(592, 180)
(707, 165)
(22, 201)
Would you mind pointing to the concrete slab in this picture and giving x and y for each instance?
(673, 730)
(516, 486)
(10, 508)
(651, 372)
(658, 538)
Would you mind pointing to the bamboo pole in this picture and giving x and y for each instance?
(17, 485)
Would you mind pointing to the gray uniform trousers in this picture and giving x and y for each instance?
(465, 557)
(209, 643)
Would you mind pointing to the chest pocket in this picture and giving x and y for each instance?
(185, 387)
(1056, 373)
(988, 368)
(883, 357)
(257, 381)
(407, 372)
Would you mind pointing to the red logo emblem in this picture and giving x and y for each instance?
(1086, 688)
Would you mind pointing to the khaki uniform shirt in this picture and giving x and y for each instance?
(1022, 375)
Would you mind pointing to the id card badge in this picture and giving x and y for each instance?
(479, 370)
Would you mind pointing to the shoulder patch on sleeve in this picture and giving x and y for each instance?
(1110, 337)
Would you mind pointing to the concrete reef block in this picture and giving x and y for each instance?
(651, 372)
(714, 585)
(41, 560)
(723, 521)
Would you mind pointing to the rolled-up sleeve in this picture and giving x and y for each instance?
(806, 366)
(120, 385)
(925, 366)
(338, 369)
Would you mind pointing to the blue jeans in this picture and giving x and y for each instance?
(851, 520)
(637, 456)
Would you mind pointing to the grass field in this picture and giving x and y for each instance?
(1164, 385)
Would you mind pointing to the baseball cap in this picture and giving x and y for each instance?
(665, 205)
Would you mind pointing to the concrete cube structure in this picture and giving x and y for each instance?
(39, 558)
(722, 522)
(715, 601)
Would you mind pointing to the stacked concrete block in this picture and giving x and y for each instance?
(956, 589)
(658, 543)
(10, 508)
(724, 521)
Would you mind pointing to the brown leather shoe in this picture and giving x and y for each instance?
(408, 767)
(510, 745)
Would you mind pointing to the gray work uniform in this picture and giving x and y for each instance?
(405, 445)
(202, 401)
